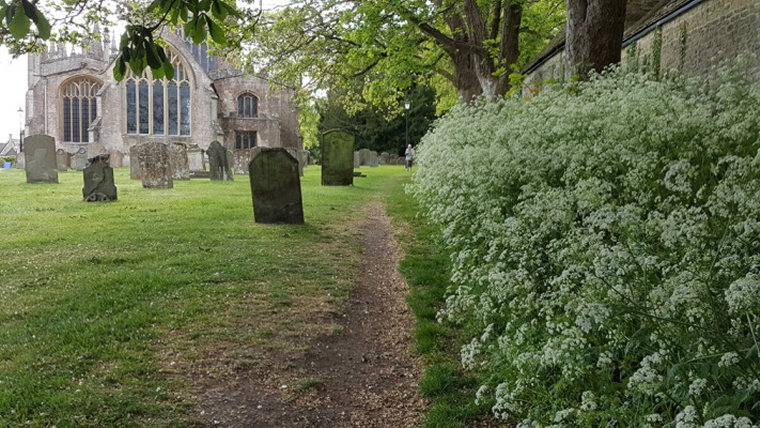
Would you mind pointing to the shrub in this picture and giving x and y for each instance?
(606, 250)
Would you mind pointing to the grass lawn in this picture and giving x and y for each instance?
(107, 309)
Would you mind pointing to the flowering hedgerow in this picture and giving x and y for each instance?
(606, 250)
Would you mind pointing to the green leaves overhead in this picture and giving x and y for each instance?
(19, 16)
(199, 19)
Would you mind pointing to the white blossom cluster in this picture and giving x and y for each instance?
(605, 242)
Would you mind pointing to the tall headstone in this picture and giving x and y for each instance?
(195, 158)
(99, 185)
(79, 160)
(134, 163)
(357, 160)
(178, 161)
(337, 158)
(40, 159)
(62, 160)
(374, 159)
(219, 162)
(154, 165)
(275, 187)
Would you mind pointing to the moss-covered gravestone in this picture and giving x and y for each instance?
(275, 187)
(99, 185)
(337, 158)
(178, 161)
(219, 162)
(155, 168)
(40, 159)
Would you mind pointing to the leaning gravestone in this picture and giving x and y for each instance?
(178, 161)
(79, 160)
(40, 159)
(155, 168)
(99, 185)
(62, 160)
(134, 163)
(219, 162)
(275, 187)
(337, 158)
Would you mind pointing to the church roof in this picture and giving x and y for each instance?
(641, 17)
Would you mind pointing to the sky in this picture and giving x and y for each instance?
(13, 84)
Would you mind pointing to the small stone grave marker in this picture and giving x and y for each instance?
(99, 185)
(154, 165)
(219, 162)
(40, 159)
(178, 161)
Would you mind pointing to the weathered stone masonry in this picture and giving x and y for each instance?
(213, 89)
(692, 36)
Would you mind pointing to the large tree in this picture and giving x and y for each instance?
(391, 44)
(594, 34)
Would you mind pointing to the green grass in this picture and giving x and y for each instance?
(426, 267)
(108, 311)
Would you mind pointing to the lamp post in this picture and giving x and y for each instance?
(407, 105)
(20, 112)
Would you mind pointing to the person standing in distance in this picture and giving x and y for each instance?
(409, 154)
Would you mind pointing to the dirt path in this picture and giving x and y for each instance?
(362, 376)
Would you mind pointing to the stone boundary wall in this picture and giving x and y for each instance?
(708, 34)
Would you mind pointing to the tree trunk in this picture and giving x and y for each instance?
(466, 77)
(594, 34)
(509, 44)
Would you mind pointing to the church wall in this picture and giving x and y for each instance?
(213, 103)
(276, 124)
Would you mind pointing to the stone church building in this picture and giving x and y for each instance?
(73, 97)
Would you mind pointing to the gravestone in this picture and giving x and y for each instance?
(116, 159)
(155, 168)
(79, 160)
(21, 160)
(275, 187)
(40, 159)
(357, 160)
(219, 162)
(297, 156)
(134, 163)
(195, 158)
(374, 159)
(62, 160)
(178, 161)
(337, 158)
(99, 185)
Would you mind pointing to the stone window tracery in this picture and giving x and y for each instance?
(159, 106)
(245, 139)
(248, 106)
(80, 108)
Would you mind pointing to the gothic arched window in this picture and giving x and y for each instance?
(80, 108)
(248, 105)
(159, 106)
